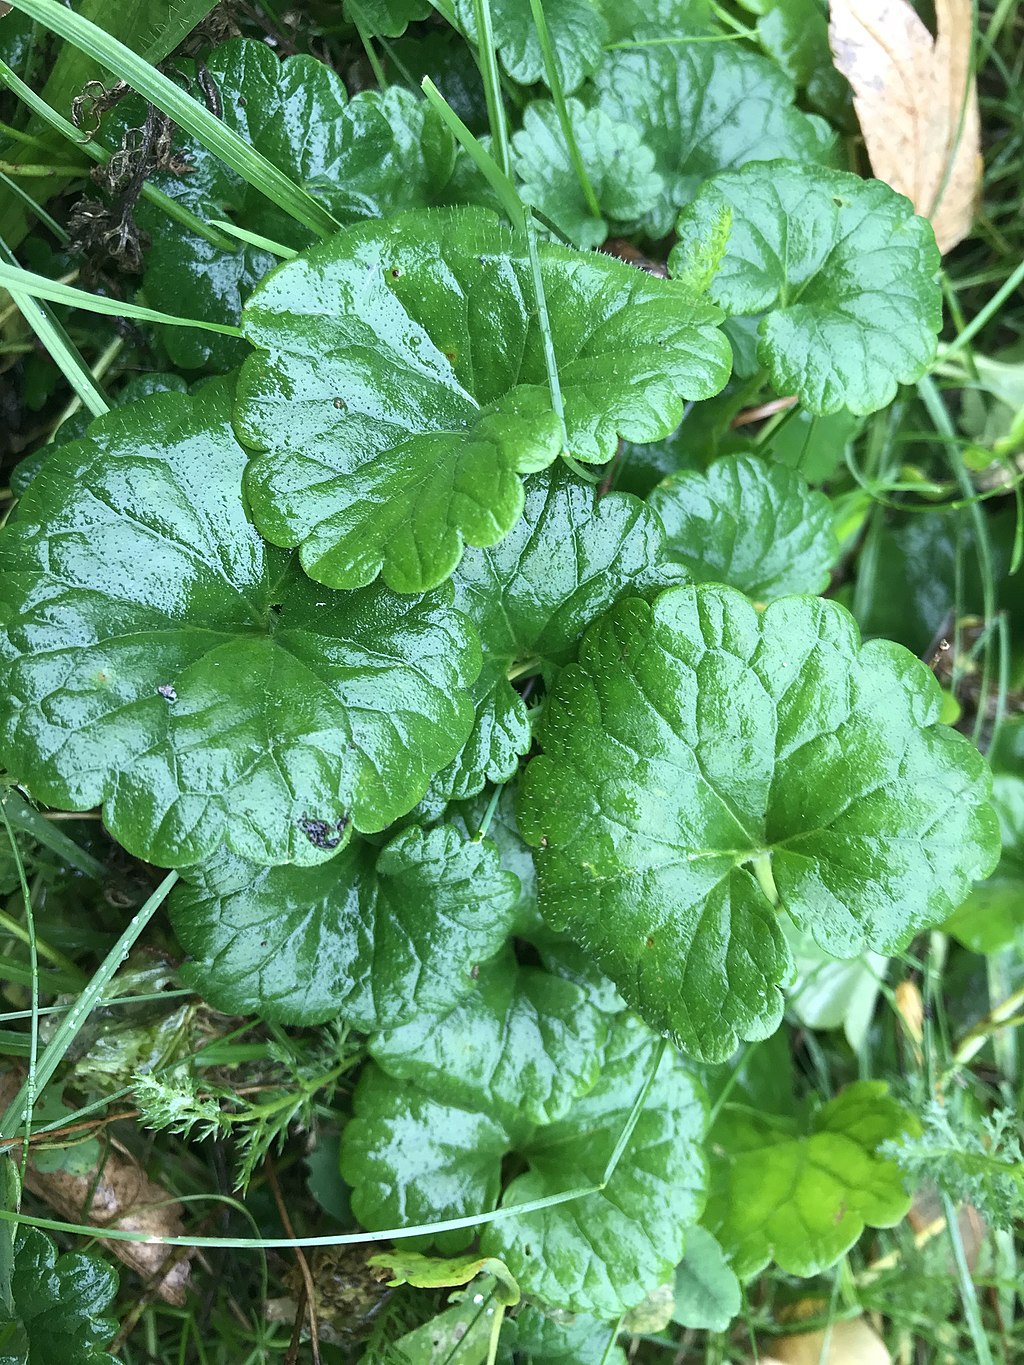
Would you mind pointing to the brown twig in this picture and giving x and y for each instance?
(763, 410)
(300, 1256)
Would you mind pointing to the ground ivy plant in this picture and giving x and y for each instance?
(527, 782)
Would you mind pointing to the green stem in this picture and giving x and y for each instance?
(762, 866)
(492, 84)
(18, 931)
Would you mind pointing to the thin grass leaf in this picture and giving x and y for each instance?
(13, 278)
(558, 96)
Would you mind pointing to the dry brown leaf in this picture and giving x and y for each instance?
(123, 1196)
(850, 1343)
(917, 104)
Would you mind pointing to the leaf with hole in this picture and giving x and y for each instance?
(702, 108)
(749, 524)
(705, 763)
(158, 658)
(399, 389)
(801, 1199)
(843, 271)
(375, 936)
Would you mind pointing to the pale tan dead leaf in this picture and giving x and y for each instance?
(123, 1196)
(917, 104)
(850, 1343)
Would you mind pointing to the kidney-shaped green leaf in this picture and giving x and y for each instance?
(411, 1160)
(702, 108)
(604, 1253)
(57, 1305)
(158, 658)
(704, 762)
(399, 390)
(802, 1199)
(520, 1046)
(376, 936)
(844, 271)
(576, 27)
(568, 558)
(619, 166)
(749, 524)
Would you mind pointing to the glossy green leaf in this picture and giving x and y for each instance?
(58, 1306)
(568, 558)
(387, 18)
(603, 1253)
(794, 33)
(630, 20)
(749, 524)
(375, 936)
(992, 916)
(704, 762)
(703, 108)
(577, 30)
(618, 165)
(412, 1160)
(399, 390)
(802, 1199)
(520, 1046)
(561, 1339)
(378, 153)
(844, 272)
(707, 1292)
(159, 659)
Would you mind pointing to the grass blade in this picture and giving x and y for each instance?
(12, 278)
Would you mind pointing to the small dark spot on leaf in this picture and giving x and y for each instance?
(242, 101)
(276, 608)
(839, 203)
(452, 356)
(340, 403)
(474, 971)
(321, 834)
(650, 941)
(840, 1212)
(166, 690)
(396, 274)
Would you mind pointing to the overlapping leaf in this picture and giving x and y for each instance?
(387, 18)
(747, 523)
(377, 936)
(568, 558)
(378, 153)
(158, 658)
(802, 1199)
(411, 1160)
(618, 165)
(704, 762)
(704, 108)
(992, 916)
(400, 390)
(843, 270)
(576, 27)
(707, 1292)
(520, 1046)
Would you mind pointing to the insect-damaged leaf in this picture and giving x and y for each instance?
(159, 659)
(704, 762)
(400, 389)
